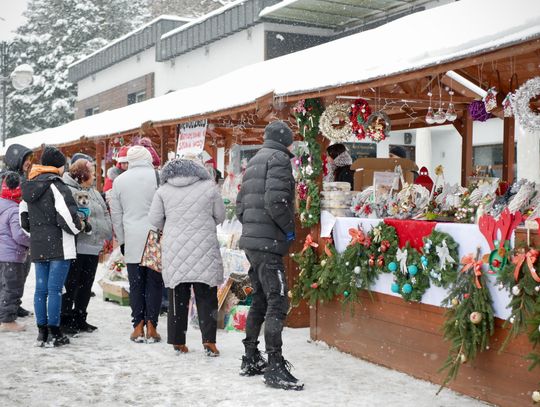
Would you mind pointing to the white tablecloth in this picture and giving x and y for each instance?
(468, 237)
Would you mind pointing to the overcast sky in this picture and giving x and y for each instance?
(10, 17)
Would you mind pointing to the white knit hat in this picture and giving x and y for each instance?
(138, 153)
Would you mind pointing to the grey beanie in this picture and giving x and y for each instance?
(280, 132)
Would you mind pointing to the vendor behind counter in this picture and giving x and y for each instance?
(339, 165)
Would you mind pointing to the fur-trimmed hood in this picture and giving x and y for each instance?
(182, 172)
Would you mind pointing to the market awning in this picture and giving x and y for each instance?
(338, 14)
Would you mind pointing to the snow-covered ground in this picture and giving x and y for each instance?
(105, 368)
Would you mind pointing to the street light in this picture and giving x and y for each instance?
(21, 78)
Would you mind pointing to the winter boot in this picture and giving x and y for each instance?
(152, 335)
(56, 338)
(180, 349)
(138, 333)
(12, 326)
(278, 375)
(253, 364)
(22, 313)
(210, 349)
(43, 333)
(81, 324)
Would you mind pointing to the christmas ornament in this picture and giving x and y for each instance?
(536, 396)
(335, 123)
(475, 317)
(406, 289)
(395, 288)
(490, 100)
(360, 112)
(314, 285)
(477, 111)
(455, 302)
(380, 262)
(507, 105)
(323, 263)
(392, 267)
(412, 269)
(516, 290)
(463, 358)
(357, 270)
(346, 293)
(378, 126)
(527, 118)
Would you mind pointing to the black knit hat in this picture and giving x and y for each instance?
(12, 179)
(336, 149)
(53, 157)
(280, 132)
(398, 151)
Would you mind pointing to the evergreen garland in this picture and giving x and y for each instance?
(323, 286)
(469, 320)
(433, 246)
(310, 208)
(384, 244)
(413, 281)
(534, 336)
(519, 280)
(306, 260)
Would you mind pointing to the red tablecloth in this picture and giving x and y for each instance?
(411, 231)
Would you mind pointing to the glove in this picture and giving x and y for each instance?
(122, 249)
(290, 236)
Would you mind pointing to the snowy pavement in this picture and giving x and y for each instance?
(105, 368)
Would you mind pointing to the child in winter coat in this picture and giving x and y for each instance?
(13, 253)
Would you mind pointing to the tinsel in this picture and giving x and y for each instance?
(527, 118)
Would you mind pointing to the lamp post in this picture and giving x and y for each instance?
(21, 78)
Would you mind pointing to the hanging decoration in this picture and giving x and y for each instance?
(308, 161)
(490, 100)
(527, 118)
(440, 257)
(451, 113)
(378, 126)
(477, 110)
(335, 122)
(359, 114)
(469, 320)
(430, 116)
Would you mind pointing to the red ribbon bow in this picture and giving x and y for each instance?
(357, 236)
(309, 243)
(531, 256)
(326, 248)
(470, 262)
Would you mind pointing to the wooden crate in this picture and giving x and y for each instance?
(113, 291)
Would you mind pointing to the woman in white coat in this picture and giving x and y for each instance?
(187, 207)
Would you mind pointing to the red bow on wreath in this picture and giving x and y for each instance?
(327, 250)
(309, 243)
(357, 236)
(531, 256)
(470, 262)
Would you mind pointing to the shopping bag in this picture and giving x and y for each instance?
(151, 257)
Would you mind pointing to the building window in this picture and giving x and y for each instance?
(91, 111)
(488, 160)
(136, 97)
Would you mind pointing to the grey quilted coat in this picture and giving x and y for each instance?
(187, 207)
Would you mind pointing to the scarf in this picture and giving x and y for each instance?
(11, 194)
(343, 159)
(42, 169)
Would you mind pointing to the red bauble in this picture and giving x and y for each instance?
(314, 285)
(371, 261)
(380, 261)
(496, 263)
(383, 248)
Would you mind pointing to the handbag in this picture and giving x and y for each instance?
(151, 257)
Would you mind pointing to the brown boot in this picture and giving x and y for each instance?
(152, 335)
(181, 348)
(138, 333)
(210, 349)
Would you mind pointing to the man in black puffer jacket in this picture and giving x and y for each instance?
(265, 207)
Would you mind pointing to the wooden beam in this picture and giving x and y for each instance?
(508, 150)
(162, 144)
(99, 155)
(465, 127)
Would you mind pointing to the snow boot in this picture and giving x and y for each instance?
(138, 333)
(278, 375)
(253, 364)
(43, 333)
(81, 324)
(179, 349)
(56, 338)
(152, 335)
(22, 313)
(210, 349)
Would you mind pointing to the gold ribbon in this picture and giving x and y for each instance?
(531, 256)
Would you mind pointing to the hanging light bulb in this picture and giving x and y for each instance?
(440, 117)
(451, 113)
(430, 116)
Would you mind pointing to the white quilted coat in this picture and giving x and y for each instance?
(187, 208)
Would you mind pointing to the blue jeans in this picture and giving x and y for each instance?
(50, 278)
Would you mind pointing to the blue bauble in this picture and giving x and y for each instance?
(395, 288)
(345, 293)
(423, 258)
(425, 263)
(412, 270)
(392, 266)
(406, 289)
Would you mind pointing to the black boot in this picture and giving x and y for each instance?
(68, 324)
(42, 335)
(80, 323)
(253, 364)
(56, 337)
(278, 375)
(22, 313)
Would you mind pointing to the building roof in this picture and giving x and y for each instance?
(124, 47)
(435, 40)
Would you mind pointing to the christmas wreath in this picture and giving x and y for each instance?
(411, 279)
(440, 258)
(324, 283)
(378, 126)
(469, 320)
(528, 119)
(522, 281)
(360, 112)
(384, 245)
(335, 123)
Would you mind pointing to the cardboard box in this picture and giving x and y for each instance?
(115, 291)
(365, 167)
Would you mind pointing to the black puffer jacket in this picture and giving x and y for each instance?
(265, 203)
(49, 213)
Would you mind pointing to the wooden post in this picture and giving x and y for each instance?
(99, 154)
(508, 150)
(465, 128)
(163, 145)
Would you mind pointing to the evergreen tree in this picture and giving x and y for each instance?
(56, 34)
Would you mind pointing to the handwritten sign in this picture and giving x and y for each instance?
(191, 138)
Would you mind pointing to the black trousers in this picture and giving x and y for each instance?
(270, 301)
(207, 310)
(78, 287)
(144, 293)
(12, 277)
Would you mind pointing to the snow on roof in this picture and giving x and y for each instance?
(419, 40)
(129, 34)
(202, 18)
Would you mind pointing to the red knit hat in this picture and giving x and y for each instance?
(11, 187)
(147, 143)
(121, 157)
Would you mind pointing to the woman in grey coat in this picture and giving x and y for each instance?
(78, 285)
(187, 207)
